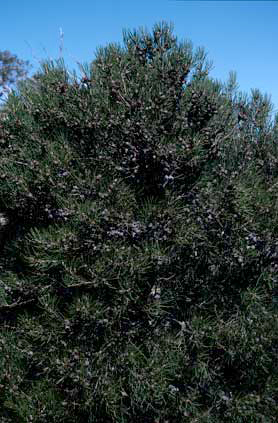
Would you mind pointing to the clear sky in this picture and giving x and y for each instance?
(238, 35)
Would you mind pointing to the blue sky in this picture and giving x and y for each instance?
(238, 35)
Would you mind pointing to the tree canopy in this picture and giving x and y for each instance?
(11, 70)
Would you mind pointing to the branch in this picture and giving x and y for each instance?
(17, 305)
(20, 305)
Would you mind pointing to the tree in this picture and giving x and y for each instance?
(139, 246)
(11, 69)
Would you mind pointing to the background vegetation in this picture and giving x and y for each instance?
(139, 249)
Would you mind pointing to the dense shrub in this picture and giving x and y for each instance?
(139, 247)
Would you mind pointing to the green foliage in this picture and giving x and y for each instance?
(138, 242)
